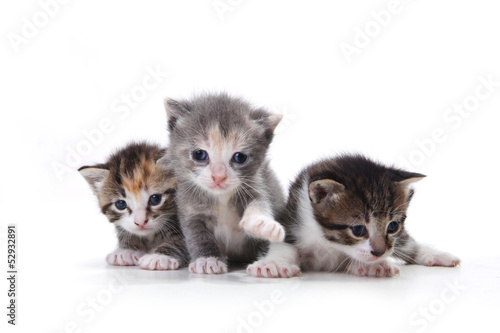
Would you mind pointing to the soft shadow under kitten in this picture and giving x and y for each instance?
(348, 214)
(227, 193)
(136, 193)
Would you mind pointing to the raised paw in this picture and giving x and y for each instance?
(124, 257)
(272, 269)
(208, 265)
(158, 262)
(264, 227)
(377, 269)
(431, 257)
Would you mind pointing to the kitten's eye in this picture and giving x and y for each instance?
(358, 230)
(154, 199)
(200, 155)
(121, 204)
(392, 227)
(240, 158)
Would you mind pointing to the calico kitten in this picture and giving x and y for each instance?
(348, 214)
(227, 194)
(136, 193)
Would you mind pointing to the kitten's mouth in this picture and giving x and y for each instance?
(218, 187)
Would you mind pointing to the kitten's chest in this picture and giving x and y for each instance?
(226, 229)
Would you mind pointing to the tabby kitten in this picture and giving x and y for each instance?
(227, 194)
(136, 193)
(348, 214)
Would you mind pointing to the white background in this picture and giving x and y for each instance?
(73, 71)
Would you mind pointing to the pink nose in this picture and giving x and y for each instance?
(141, 224)
(219, 172)
(219, 179)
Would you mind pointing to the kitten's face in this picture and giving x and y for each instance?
(135, 192)
(219, 162)
(220, 142)
(364, 224)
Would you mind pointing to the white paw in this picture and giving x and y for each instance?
(272, 269)
(431, 257)
(207, 265)
(158, 262)
(378, 269)
(263, 226)
(124, 257)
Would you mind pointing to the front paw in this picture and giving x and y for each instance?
(208, 265)
(378, 269)
(263, 226)
(431, 257)
(124, 257)
(272, 269)
(158, 262)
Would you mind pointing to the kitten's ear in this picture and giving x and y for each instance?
(266, 119)
(406, 178)
(324, 189)
(95, 176)
(274, 120)
(175, 110)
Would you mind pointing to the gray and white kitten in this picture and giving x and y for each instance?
(227, 195)
(136, 193)
(348, 214)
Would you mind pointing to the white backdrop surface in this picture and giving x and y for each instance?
(410, 83)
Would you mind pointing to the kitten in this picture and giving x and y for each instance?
(348, 214)
(227, 194)
(136, 193)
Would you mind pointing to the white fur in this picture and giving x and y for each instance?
(207, 265)
(124, 257)
(381, 268)
(317, 253)
(262, 226)
(158, 261)
(280, 262)
(428, 256)
(226, 230)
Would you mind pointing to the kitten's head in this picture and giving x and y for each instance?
(361, 205)
(220, 141)
(135, 191)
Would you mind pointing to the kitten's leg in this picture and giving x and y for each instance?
(168, 256)
(124, 257)
(258, 221)
(407, 249)
(382, 268)
(280, 262)
(202, 245)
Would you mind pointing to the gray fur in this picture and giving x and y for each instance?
(190, 123)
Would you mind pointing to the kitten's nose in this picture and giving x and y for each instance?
(141, 224)
(378, 253)
(218, 179)
(219, 172)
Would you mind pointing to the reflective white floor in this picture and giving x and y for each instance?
(89, 296)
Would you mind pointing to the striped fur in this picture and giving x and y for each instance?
(331, 198)
(133, 175)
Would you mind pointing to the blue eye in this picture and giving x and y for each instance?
(155, 199)
(392, 227)
(358, 230)
(121, 204)
(200, 155)
(240, 158)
